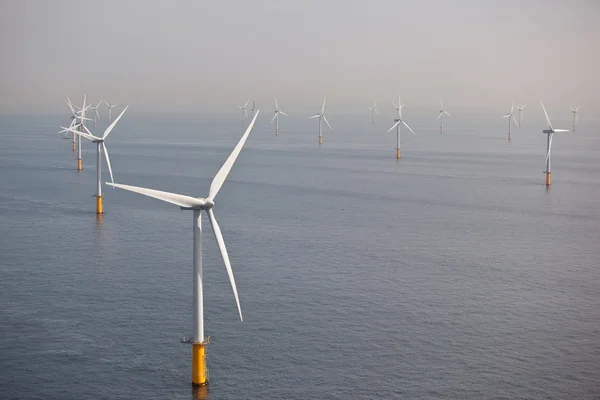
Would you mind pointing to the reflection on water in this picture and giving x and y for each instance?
(200, 393)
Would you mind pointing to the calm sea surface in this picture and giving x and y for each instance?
(450, 274)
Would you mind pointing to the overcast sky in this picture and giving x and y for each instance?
(172, 55)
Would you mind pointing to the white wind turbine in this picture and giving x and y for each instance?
(82, 128)
(276, 116)
(520, 110)
(399, 120)
(510, 115)
(96, 110)
(441, 116)
(321, 117)
(575, 117)
(373, 111)
(253, 109)
(550, 132)
(197, 205)
(110, 111)
(75, 115)
(100, 146)
(244, 112)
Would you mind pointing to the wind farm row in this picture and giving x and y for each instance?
(78, 127)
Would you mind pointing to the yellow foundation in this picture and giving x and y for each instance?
(276, 132)
(79, 167)
(548, 179)
(320, 139)
(509, 137)
(99, 205)
(397, 153)
(199, 371)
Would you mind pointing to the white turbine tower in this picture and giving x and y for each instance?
(575, 117)
(197, 205)
(244, 112)
(373, 111)
(321, 117)
(399, 120)
(550, 132)
(100, 146)
(276, 116)
(110, 111)
(520, 110)
(510, 116)
(441, 116)
(82, 128)
(96, 110)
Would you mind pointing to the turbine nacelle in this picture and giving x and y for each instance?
(202, 204)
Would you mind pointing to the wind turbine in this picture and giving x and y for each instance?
(74, 117)
(520, 110)
(510, 115)
(82, 128)
(276, 116)
(197, 205)
(397, 126)
(96, 110)
(575, 117)
(550, 132)
(441, 116)
(244, 112)
(253, 109)
(373, 111)
(100, 146)
(110, 111)
(321, 117)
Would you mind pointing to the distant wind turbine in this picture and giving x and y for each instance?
(550, 132)
(373, 111)
(575, 117)
(82, 128)
(197, 205)
(322, 118)
(441, 116)
(520, 110)
(253, 109)
(96, 110)
(73, 118)
(244, 112)
(100, 146)
(399, 120)
(510, 115)
(276, 116)
(110, 111)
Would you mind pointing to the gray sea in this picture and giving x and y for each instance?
(452, 273)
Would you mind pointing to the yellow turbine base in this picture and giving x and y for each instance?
(320, 139)
(79, 166)
(99, 205)
(397, 153)
(548, 179)
(509, 137)
(276, 132)
(199, 371)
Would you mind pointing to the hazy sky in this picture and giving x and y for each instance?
(170, 55)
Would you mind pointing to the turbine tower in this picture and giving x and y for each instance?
(399, 120)
(244, 112)
(82, 128)
(197, 205)
(253, 109)
(100, 146)
(510, 115)
(550, 132)
(110, 111)
(575, 117)
(96, 110)
(321, 117)
(373, 111)
(441, 116)
(276, 116)
(520, 110)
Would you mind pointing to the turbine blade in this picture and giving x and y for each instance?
(281, 112)
(274, 116)
(516, 123)
(173, 198)
(440, 116)
(395, 106)
(220, 177)
(395, 125)
(409, 128)
(82, 134)
(246, 105)
(327, 122)
(110, 128)
(221, 243)
(549, 147)
(315, 116)
(276, 105)
(108, 162)
(447, 113)
(323, 107)
(561, 130)
(546, 114)
(376, 112)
